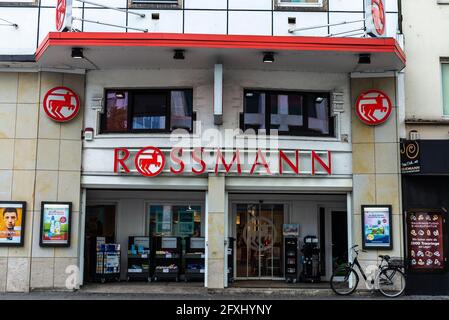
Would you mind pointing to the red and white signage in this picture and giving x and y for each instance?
(61, 104)
(375, 17)
(63, 15)
(373, 107)
(150, 161)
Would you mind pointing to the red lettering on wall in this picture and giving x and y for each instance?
(283, 156)
(257, 163)
(235, 157)
(121, 161)
(198, 160)
(327, 167)
(174, 153)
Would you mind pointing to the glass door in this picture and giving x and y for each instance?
(259, 240)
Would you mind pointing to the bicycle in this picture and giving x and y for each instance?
(389, 280)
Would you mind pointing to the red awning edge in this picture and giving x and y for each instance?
(272, 43)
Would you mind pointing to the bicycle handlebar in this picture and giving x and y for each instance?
(357, 251)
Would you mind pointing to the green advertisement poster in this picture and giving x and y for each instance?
(55, 223)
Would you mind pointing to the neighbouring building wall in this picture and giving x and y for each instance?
(40, 161)
(376, 171)
(425, 44)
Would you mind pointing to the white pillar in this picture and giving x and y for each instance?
(350, 228)
(81, 236)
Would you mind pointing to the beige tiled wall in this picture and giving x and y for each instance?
(215, 225)
(376, 171)
(41, 161)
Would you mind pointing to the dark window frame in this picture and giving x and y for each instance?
(130, 111)
(15, 3)
(301, 8)
(305, 131)
(155, 4)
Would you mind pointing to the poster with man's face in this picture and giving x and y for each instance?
(12, 223)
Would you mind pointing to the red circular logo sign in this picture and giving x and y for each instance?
(60, 14)
(61, 104)
(150, 161)
(378, 12)
(62, 220)
(373, 107)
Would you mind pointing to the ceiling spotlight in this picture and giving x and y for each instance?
(268, 57)
(179, 55)
(364, 58)
(120, 95)
(77, 53)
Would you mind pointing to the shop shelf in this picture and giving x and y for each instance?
(139, 258)
(194, 259)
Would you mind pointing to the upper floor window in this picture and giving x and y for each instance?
(148, 111)
(302, 3)
(445, 78)
(291, 113)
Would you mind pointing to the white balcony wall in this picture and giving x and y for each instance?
(346, 5)
(169, 21)
(22, 40)
(250, 17)
(250, 22)
(303, 20)
(203, 21)
(205, 4)
(341, 17)
(250, 4)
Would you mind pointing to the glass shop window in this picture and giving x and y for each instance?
(291, 113)
(175, 220)
(150, 111)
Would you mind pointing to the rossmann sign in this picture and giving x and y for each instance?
(151, 161)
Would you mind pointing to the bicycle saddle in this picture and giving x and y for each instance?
(386, 257)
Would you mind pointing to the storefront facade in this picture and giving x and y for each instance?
(424, 170)
(323, 166)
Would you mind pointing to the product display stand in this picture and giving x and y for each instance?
(167, 258)
(311, 260)
(194, 259)
(291, 245)
(230, 254)
(108, 261)
(139, 259)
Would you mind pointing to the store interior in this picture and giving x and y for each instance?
(274, 240)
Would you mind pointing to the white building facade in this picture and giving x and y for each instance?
(426, 127)
(188, 75)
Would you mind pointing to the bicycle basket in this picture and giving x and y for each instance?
(396, 262)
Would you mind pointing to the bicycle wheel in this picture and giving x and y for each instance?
(391, 282)
(344, 281)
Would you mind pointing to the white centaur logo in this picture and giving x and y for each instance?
(371, 273)
(259, 233)
(72, 281)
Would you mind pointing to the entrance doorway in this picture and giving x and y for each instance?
(100, 222)
(340, 245)
(259, 240)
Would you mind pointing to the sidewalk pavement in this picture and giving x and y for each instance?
(195, 291)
